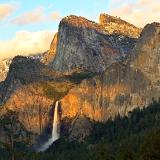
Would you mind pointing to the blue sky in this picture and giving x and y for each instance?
(87, 8)
(28, 19)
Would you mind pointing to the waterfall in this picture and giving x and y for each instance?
(55, 132)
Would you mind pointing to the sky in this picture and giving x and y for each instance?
(28, 26)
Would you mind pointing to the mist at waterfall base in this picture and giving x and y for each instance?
(55, 133)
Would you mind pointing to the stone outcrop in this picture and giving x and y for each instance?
(84, 45)
(80, 128)
(117, 91)
(115, 25)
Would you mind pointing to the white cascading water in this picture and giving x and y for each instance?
(55, 133)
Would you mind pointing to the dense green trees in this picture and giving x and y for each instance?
(7, 123)
(150, 149)
(12, 145)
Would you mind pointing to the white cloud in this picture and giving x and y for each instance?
(6, 10)
(25, 43)
(35, 16)
(140, 12)
(31, 17)
(55, 16)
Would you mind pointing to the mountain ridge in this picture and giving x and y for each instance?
(115, 25)
(88, 46)
(81, 47)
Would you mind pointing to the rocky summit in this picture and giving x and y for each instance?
(115, 25)
(95, 70)
(85, 45)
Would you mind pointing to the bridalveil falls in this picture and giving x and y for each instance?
(55, 131)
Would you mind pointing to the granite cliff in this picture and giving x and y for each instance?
(93, 72)
(84, 45)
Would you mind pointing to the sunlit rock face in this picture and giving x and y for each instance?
(84, 45)
(50, 54)
(22, 92)
(121, 87)
(117, 91)
(33, 107)
(30, 89)
(115, 25)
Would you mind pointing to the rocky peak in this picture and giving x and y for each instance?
(84, 45)
(106, 18)
(116, 25)
(79, 21)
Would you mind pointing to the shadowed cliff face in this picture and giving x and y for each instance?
(146, 55)
(114, 25)
(117, 91)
